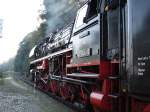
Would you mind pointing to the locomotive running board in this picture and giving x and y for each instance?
(50, 55)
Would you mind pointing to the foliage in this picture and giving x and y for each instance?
(7, 66)
(21, 63)
(56, 15)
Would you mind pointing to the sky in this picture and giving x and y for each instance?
(19, 18)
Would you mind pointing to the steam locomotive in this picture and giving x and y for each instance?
(101, 61)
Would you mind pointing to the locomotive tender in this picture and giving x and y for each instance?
(101, 61)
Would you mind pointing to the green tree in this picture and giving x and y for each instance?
(21, 63)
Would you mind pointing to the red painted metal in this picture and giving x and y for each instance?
(106, 87)
(104, 69)
(139, 106)
(84, 96)
(43, 65)
(100, 101)
(147, 108)
(54, 86)
(64, 91)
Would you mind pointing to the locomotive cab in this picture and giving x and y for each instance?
(86, 41)
(86, 34)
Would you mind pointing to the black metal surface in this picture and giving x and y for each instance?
(54, 42)
(139, 46)
(113, 29)
(86, 39)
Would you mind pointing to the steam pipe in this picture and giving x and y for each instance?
(71, 80)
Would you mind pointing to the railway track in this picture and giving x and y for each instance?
(77, 107)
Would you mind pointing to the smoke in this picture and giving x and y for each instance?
(60, 13)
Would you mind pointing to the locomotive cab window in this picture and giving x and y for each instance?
(80, 16)
(92, 10)
(87, 12)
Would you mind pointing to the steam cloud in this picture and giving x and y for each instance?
(60, 12)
